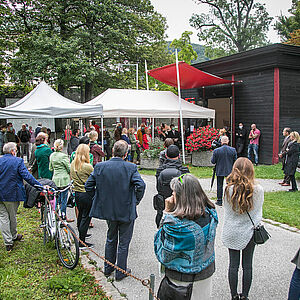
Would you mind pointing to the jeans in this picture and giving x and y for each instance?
(220, 181)
(62, 200)
(84, 203)
(294, 291)
(25, 150)
(119, 235)
(254, 148)
(234, 263)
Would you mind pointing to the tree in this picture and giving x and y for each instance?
(234, 25)
(81, 42)
(285, 26)
(295, 38)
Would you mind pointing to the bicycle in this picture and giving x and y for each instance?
(54, 228)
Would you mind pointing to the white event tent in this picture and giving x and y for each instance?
(43, 102)
(148, 104)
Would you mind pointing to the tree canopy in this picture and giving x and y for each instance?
(288, 26)
(80, 42)
(232, 25)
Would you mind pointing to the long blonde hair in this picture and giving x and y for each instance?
(82, 156)
(296, 136)
(242, 180)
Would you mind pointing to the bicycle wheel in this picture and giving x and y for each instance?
(46, 224)
(67, 246)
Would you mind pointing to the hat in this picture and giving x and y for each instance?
(172, 151)
(84, 140)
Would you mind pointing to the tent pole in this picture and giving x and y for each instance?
(146, 71)
(153, 129)
(137, 123)
(180, 110)
(102, 136)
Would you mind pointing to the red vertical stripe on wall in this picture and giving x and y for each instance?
(233, 113)
(276, 117)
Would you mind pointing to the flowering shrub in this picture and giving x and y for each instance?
(155, 147)
(201, 139)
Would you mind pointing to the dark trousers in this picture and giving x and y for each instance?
(293, 182)
(159, 214)
(84, 204)
(240, 149)
(294, 291)
(119, 235)
(220, 181)
(234, 263)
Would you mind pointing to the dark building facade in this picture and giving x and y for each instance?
(266, 92)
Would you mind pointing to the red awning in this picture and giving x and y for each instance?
(189, 76)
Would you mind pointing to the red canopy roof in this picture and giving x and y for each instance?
(189, 76)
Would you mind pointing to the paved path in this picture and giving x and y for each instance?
(272, 267)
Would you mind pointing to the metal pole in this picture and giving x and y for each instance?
(137, 76)
(152, 279)
(137, 123)
(102, 136)
(153, 129)
(180, 110)
(146, 71)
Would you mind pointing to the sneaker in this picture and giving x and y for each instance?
(82, 247)
(236, 297)
(18, 238)
(9, 248)
(219, 203)
(88, 236)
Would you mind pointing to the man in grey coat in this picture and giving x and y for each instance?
(224, 158)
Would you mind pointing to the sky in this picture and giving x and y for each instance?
(178, 13)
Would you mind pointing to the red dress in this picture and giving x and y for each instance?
(146, 141)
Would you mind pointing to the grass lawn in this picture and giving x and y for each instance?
(33, 271)
(283, 207)
(262, 171)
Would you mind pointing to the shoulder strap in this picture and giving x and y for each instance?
(250, 219)
(79, 177)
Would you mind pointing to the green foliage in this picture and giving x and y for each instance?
(155, 147)
(33, 271)
(231, 25)
(81, 42)
(285, 26)
(282, 207)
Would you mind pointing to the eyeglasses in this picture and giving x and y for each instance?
(180, 178)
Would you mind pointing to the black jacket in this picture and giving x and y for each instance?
(165, 173)
(241, 135)
(292, 157)
(72, 146)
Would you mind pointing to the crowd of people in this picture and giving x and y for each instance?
(186, 218)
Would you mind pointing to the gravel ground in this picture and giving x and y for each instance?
(272, 268)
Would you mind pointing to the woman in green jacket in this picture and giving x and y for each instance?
(60, 165)
(42, 154)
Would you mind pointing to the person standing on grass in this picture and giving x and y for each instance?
(254, 142)
(286, 133)
(292, 158)
(242, 195)
(223, 157)
(12, 191)
(118, 188)
(80, 171)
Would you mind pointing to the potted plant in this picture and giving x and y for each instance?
(150, 157)
(200, 144)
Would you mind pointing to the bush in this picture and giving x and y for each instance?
(155, 147)
(201, 139)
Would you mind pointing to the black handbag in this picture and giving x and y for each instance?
(71, 199)
(158, 202)
(260, 234)
(169, 291)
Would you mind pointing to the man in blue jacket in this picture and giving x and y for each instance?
(224, 158)
(12, 191)
(119, 189)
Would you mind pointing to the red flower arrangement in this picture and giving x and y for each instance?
(201, 139)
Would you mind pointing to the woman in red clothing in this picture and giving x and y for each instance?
(146, 139)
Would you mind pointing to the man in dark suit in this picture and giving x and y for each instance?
(223, 157)
(119, 189)
(286, 133)
(174, 135)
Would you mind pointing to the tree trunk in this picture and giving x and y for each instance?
(61, 89)
(88, 91)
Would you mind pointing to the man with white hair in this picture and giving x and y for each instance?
(223, 157)
(12, 191)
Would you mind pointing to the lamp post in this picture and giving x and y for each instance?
(137, 85)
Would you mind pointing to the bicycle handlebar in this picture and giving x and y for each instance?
(46, 189)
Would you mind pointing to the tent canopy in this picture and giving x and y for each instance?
(190, 77)
(45, 102)
(148, 104)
